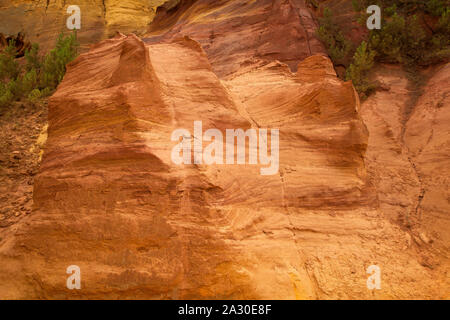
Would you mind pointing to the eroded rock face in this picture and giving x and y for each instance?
(427, 139)
(41, 21)
(240, 35)
(110, 200)
(407, 160)
(407, 155)
(357, 185)
(237, 35)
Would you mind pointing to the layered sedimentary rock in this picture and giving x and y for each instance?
(41, 21)
(407, 164)
(110, 200)
(408, 153)
(427, 136)
(240, 35)
(236, 34)
(357, 185)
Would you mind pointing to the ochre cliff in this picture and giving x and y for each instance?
(234, 33)
(426, 136)
(401, 137)
(42, 20)
(109, 199)
(240, 35)
(358, 184)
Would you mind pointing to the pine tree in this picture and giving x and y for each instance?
(54, 66)
(9, 68)
(363, 61)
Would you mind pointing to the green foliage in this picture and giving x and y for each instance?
(6, 96)
(39, 76)
(388, 41)
(46, 92)
(357, 5)
(432, 7)
(444, 22)
(436, 7)
(400, 40)
(363, 61)
(415, 41)
(390, 11)
(34, 95)
(405, 38)
(9, 67)
(14, 86)
(337, 45)
(54, 66)
(34, 61)
(29, 81)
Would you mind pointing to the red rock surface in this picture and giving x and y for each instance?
(407, 163)
(109, 199)
(42, 20)
(358, 184)
(239, 35)
(427, 139)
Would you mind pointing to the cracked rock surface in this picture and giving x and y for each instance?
(109, 199)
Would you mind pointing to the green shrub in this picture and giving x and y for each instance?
(415, 41)
(357, 5)
(34, 95)
(432, 7)
(390, 11)
(437, 49)
(338, 47)
(34, 61)
(6, 96)
(9, 67)
(436, 7)
(41, 76)
(14, 86)
(363, 61)
(402, 38)
(46, 92)
(29, 81)
(54, 66)
(444, 23)
(388, 41)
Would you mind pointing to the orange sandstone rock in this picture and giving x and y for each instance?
(240, 35)
(109, 199)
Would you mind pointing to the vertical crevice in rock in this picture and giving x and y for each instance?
(104, 10)
(298, 12)
(415, 93)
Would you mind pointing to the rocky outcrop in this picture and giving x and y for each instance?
(19, 42)
(406, 165)
(109, 198)
(139, 225)
(427, 138)
(357, 184)
(237, 35)
(41, 21)
(240, 35)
